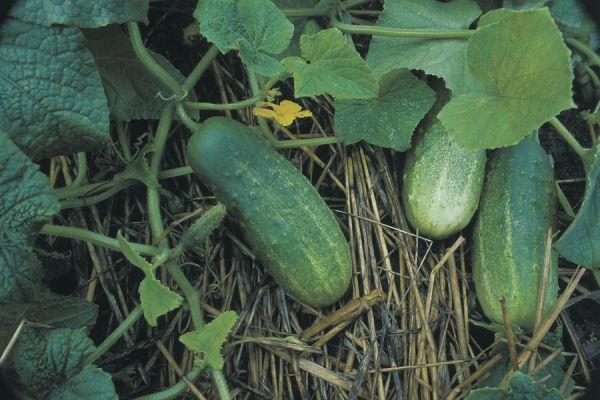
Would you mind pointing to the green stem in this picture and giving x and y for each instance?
(221, 107)
(262, 123)
(200, 68)
(95, 238)
(69, 192)
(585, 154)
(151, 65)
(404, 33)
(584, 49)
(131, 319)
(286, 144)
(81, 170)
(305, 12)
(95, 199)
(186, 119)
(175, 390)
(156, 227)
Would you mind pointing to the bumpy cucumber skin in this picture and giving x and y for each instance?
(517, 209)
(290, 228)
(441, 184)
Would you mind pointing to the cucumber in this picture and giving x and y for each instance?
(517, 209)
(441, 184)
(288, 225)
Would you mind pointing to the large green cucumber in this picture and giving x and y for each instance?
(441, 184)
(288, 225)
(517, 209)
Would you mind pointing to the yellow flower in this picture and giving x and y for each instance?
(285, 112)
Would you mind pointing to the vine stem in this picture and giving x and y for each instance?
(586, 154)
(69, 192)
(95, 238)
(200, 68)
(584, 49)
(127, 323)
(286, 144)
(175, 390)
(156, 227)
(151, 65)
(186, 119)
(82, 169)
(404, 33)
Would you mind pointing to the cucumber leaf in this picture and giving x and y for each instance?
(131, 90)
(520, 387)
(330, 65)
(26, 203)
(156, 298)
(445, 58)
(524, 4)
(389, 119)
(89, 383)
(49, 363)
(524, 71)
(574, 21)
(81, 13)
(51, 96)
(211, 338)
(580, 243)
(257, 29)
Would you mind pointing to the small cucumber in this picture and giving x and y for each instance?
(288, 225)
(441, 184)
(517, 209)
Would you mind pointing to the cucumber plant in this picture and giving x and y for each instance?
(74, 72)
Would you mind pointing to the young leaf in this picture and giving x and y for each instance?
(211, 338)
(133, 256)
(131, 90)
(256, 28)
(330, 65)
(81, 13)
(27, 202)
(389, 119)
(203, 227)
(445, 58)
(156, 299)
(525, 73)
(51, 96)
(580, 243)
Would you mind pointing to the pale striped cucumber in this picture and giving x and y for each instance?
(517, 209)
(441, 184)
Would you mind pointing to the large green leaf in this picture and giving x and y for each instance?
(580, 243)
(520, 387)
(256, 28)
(331, 65)
(389, 119)
(51, 96)
(445, 58)
(89, 383)
(26, 202)
(524, 71)
(45, 360)
(211, 338)
(131, 90)
(81, 13)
